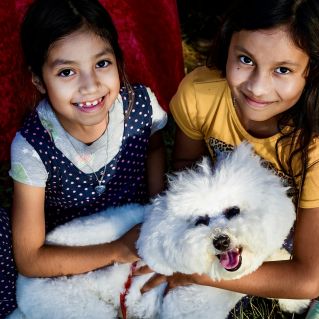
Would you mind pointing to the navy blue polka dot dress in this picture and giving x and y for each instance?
(71, 193)
(8, 273)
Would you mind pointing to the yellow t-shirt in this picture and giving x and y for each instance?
(203, 109)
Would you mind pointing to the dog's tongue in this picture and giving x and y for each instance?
(230, 259)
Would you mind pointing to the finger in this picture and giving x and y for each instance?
(143, 270)
(153, 282)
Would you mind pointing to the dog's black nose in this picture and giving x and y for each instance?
(221, 242)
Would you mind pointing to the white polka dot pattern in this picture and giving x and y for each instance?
(7, 268)
(70, 192)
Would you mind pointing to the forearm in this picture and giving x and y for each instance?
(35, 258)
(282, 279)
(50, 261)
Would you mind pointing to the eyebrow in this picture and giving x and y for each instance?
(59, 62)
(290, 63)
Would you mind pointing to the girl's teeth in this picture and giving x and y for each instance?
(89, 104)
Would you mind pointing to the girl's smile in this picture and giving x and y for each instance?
(81, 80)
(90, 106)
(255, 102)
(266, 74)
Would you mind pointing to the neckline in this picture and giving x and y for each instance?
(99, 143)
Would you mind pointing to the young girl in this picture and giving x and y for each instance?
(91, 143)
(261, 85)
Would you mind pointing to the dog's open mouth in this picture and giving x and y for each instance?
(230, 259)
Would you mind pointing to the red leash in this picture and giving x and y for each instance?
(127, 287)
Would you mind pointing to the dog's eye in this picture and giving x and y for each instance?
(231, 212)
(202, 220)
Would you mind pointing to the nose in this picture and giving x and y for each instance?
(89, 83)
(221, 242)
(259, 83)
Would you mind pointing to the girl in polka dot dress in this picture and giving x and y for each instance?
(92, 142)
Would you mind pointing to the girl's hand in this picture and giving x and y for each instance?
(142, 271)
(177, 279)
(125, 246)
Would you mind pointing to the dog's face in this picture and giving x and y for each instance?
(223, 223)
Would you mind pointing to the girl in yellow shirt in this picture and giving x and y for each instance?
(261, 85)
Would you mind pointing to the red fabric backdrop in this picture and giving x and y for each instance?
(149, 35)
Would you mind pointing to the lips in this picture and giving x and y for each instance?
(255, 102)
(231, 259)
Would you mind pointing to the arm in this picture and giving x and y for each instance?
(156, 164)
(186, 150)
(34, 258)
(297, 278)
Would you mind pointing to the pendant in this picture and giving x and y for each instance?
(100, 189)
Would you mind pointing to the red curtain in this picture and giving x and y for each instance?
(149, 35)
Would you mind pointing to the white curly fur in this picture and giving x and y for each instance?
(171, 241)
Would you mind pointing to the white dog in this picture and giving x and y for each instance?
(224, 223)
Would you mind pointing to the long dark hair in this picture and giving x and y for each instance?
(47, 21)
(301, 17)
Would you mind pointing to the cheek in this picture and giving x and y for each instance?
(236, 74)
(290, 92)
(235, 77)
(58, 93)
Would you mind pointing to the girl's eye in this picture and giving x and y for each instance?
(66, 73)
(246, 60)
(102, 64)
(282, 70)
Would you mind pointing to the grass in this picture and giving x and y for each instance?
(259, 308)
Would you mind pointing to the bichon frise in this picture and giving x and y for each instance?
(224, 223)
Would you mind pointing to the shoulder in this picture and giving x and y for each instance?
(26, 164)
(203, 76)
(144, 98)
(198, 98)
(199, 88)
(159, 116)
(18, 144)
(139, 90)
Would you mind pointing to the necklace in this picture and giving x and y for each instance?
(100, 188)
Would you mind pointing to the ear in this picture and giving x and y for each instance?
(38, 83)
